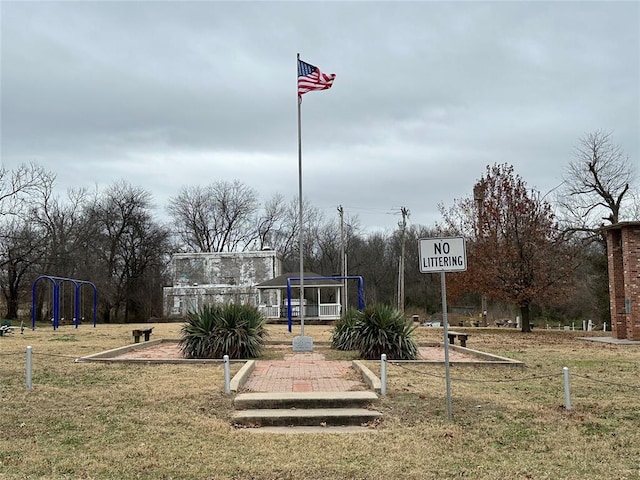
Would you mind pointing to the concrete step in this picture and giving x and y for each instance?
(304, 400)
(304, 417)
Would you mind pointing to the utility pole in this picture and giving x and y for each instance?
(478, 196)
(343, 262)
(403, 226)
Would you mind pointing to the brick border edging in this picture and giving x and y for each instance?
(114, 352)
(240, 378)
(490, 358)
(112, 355)
(368, 376)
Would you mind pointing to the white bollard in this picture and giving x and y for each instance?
(584, 325)
(29, 368)
(227, 375)
(589, 325)
(604, 327)
(567, 390)
(383, 374)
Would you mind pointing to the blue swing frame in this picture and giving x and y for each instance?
(57, 283)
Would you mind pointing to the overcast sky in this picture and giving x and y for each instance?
(169, 94)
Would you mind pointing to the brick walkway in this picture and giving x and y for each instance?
(303, 372)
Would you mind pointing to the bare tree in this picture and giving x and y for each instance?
(68, 229)
(22, 247)
(327, 250)
(129, 245)
(598, 183)
(193, 218)
(22, 243)
(422, 291)
(375, 259)
(216, 218)
(269, 221)
(17, 185)
(283, 233)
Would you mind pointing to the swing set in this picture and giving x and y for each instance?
(58, 299)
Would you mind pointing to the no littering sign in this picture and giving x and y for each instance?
(444, 254)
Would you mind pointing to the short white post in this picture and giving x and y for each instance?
(567, 390)
(383, 374)
(29, 367)
(604, 327)
(584, 325)
(227, 376)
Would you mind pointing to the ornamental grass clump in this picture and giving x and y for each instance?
(343, 336)
(383, 329)
(217, 330)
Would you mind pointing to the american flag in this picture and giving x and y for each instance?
(311, 78)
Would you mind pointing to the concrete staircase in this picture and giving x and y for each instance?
(297, 412)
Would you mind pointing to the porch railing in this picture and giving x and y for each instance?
(269, 311)
(329, 311)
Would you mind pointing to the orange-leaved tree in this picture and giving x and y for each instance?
(515, 251)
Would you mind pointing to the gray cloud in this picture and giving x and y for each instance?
(167, 94)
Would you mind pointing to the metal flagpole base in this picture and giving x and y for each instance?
(302, 344)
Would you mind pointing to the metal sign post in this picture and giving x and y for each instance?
(445, 324)
(444, 254)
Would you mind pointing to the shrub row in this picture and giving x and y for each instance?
(239, 331)
(376, 330)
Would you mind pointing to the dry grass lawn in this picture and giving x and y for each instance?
(136, 421)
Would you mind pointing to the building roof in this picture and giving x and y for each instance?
(620, 225)
(310, 280)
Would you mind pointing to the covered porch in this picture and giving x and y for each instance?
(322, 297)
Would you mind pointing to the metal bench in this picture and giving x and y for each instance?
(462, 337)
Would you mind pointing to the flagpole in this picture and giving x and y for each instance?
(300, 216)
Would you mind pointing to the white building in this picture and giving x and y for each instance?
(253, 278)
(221, 277)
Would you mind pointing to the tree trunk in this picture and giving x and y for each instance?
(12, 309)
(12, 290)
(106, 314)
(525, 323)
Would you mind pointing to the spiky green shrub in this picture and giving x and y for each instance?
(383, 329)
(343, 336)
(218, 330)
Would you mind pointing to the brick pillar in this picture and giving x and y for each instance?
(616, 283)
(631, 265)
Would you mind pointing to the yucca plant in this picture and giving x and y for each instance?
(218, 330)
(383, 329)
(343, 336)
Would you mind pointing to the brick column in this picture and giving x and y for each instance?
(631, 266)
(623, 255)
(616, 283)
